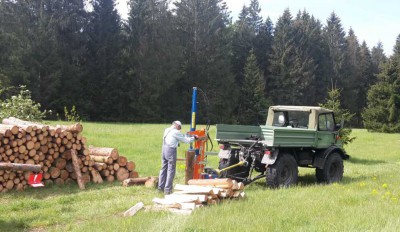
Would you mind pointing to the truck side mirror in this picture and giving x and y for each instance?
(338, 126)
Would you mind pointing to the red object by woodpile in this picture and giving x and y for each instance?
(35, 180)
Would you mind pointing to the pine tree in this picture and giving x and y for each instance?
(378, 57)
(332, 102)
(152, 58)
(382, 112)
(202, 30)
(281, 60)
(352, 78)
(252, 93)
(103, 62)
(50, 48)
(336, 43)
(262, 48)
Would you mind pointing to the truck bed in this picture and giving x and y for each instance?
(269, 135)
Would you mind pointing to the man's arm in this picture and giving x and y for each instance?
(183, 138)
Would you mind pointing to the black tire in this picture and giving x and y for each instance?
(237, 173)
(283, 173)
(332, 171)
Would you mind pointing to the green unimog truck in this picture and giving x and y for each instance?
(293, 136)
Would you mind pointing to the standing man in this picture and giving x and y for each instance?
(172, 137)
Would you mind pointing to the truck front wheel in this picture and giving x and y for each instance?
(283, 173)
(332, 171)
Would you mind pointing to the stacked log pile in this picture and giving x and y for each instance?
(53, 148)
(200, 193)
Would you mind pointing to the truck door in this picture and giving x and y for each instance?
(326, 130)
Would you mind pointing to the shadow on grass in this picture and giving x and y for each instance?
(13, 225)
(308, 180)
(365, 161)
(63, 190)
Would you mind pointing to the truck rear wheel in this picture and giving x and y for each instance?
(283, 173)
(332, 171)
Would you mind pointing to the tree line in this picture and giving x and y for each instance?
(75, 53)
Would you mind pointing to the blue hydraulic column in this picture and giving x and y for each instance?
(194, 110)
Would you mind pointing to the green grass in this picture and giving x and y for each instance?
(366, 200)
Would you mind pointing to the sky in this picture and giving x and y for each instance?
(371, 20)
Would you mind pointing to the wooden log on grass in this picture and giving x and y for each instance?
(135, 181)
(77, 169)
(134, 209)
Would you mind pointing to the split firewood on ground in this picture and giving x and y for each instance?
(200, 193)
(134, 209)
(31, 147)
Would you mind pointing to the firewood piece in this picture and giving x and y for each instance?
(59, 181)
(20, 167)
(122, 160)
(166, 203)
(27, 128)
(86, 177)
(60, 163)
(9, 184)
(122, 174)
(99, 166)
(130, 165)
(110, 178)
(194, 189)
(135, 181)
(77, 169)
(64, 174)
(152, 182)
(71, 128)
(12, 128)
(188, 206)
(54, 172)
(96, 177)
(104, 151)
(219, 183)
(116, 166)
(190, 157)
(235, 185)
(105, 173)
(133, 174)
(185, 198)
(240, 186)
(134, 209)
(102, 159)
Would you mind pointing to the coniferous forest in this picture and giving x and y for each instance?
(82, 54)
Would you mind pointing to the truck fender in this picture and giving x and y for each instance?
(320, 157)
(270, 159)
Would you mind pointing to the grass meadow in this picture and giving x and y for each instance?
(368, 198)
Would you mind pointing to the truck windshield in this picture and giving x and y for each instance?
(296, 119)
